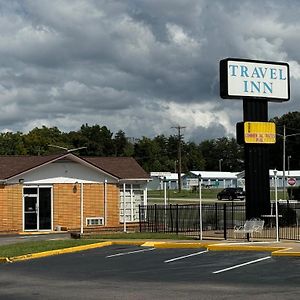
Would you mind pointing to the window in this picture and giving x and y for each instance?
(94, 221)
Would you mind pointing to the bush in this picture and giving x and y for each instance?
(289, 215)
(294, 193)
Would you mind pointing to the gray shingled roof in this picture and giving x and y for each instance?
(120, 167)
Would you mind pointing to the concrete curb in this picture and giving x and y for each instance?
(275, 250)
(58, 251)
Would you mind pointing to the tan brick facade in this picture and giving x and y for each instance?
(11, 208)
(66, 205)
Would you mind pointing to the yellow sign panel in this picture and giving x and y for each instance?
(259, 132)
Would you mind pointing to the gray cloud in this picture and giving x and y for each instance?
(137, 65)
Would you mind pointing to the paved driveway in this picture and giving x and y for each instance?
(131, 272)
(11, 239)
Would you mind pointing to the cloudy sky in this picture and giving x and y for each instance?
(142, 66)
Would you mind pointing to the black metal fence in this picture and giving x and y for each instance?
(218, 220)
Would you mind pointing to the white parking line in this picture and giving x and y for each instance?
(131, 252)
(183, 257)
(242, 265)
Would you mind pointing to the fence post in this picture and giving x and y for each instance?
(171, 217)
(225, 222)
(155, 218)
(177, 219)
(216, 215)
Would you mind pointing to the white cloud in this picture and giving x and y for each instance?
(140, 66)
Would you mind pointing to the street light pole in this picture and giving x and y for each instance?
(283, 162)
(276, 206)
(220, 164)
(289, 157)
(200, 205)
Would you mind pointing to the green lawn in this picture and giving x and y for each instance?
(40, 246)
(206, 193)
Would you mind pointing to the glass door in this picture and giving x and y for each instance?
(44, 208)
(30, 212)
(37, 208)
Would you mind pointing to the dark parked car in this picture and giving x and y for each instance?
(231, 193)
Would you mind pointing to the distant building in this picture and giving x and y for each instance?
(211, 179)
(288, 174)
(158, 178)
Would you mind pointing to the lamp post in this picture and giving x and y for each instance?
(289, 157)
(165, 191)
(276, 206)
(220, 164)
(200, 205)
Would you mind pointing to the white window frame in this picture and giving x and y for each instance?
(100, 219)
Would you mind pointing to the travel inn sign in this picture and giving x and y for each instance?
(242, 79)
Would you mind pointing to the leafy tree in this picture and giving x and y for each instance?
(12, 143)
(37, 141)
(97, 139)
(122, 146)
(291, 121)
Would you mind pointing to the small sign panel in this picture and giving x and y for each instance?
(259, 133)
(292, 181)
(243, 79)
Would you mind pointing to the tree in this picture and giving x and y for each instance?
(12, 143)
(291, 121)
(97, 139)
(224, 149)
(37, 141)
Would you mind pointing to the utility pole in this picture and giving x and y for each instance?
(283, 161)
(179, 154)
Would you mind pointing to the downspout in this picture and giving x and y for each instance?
(81, 208)
(105, 202)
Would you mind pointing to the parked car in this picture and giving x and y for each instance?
(231, 194)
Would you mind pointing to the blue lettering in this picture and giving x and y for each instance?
(244, 71)
(263, 73)
(245, 86)
(273, 74)
(281, 75)
(233, 69)
(255, 86)
(255, 73)
(268, 87)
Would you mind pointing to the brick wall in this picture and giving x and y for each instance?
(66, 204)
(11, 208)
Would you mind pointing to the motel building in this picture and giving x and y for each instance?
(68, 192)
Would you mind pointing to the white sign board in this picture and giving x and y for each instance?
(254, 79)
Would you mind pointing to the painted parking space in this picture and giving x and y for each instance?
(142, 273)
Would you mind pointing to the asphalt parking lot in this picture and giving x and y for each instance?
(132, 272)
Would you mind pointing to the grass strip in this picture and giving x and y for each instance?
(137, 235)
(18, 249)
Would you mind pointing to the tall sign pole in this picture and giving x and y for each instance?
(256, 83)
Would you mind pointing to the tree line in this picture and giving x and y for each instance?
(157, 154)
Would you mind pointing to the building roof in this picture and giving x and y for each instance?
(215, 174)
(119, 167)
